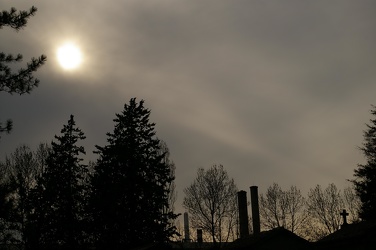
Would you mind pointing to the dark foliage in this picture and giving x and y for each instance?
(14, 19)
(365, 174)
(22, 81)
(59, 198)
(5, 191)
(6, 208)
(130, 187)
(21, 169)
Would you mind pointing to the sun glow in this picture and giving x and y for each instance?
(69, 56)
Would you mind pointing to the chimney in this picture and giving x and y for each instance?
(243, 214)
(186, 227)
(255, 210)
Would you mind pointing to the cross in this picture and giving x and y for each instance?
(344, 215)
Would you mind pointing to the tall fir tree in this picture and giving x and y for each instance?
(131, 184)
(60, 194)
(365, 174)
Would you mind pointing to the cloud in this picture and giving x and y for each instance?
(275, 91)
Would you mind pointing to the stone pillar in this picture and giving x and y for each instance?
(255, 210)
(243, 214)
(186, 227)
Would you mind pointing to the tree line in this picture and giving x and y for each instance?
(50, 199)
(313, 216)
(211, 201)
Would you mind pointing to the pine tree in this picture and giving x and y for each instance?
(365, 174)
(61, 191)
(23, 81)
(131, 183)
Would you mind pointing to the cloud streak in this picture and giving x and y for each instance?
(274, 91)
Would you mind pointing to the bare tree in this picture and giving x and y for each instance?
(41, 156)
(6, 206)
(22, 168)
(312, 218)
(272, 210)
(324, 208)
(211, 202)
(352, 204)
(280, 208)
(296, 210)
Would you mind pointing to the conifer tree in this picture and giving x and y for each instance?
(365, 174)
(23, 81)
(131, 184)
(61, 191)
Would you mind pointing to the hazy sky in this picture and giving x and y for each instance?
(276, 91)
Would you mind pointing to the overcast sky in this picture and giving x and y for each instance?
(276, 91)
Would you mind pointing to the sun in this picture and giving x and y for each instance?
(69, 56)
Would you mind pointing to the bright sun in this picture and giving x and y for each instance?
(69, 56)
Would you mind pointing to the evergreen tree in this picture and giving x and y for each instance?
(23, 81)
(131, 184)
(365, 174)
(60, 195)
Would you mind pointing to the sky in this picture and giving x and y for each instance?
(275, 91)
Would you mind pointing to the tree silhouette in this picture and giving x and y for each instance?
(172, 193)
(22, 168)
(365, 174)
(60, 194)
(279, 208)
(131, 184)
(23, 81)
(211, 201)
(6, 206)
(324, 206)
